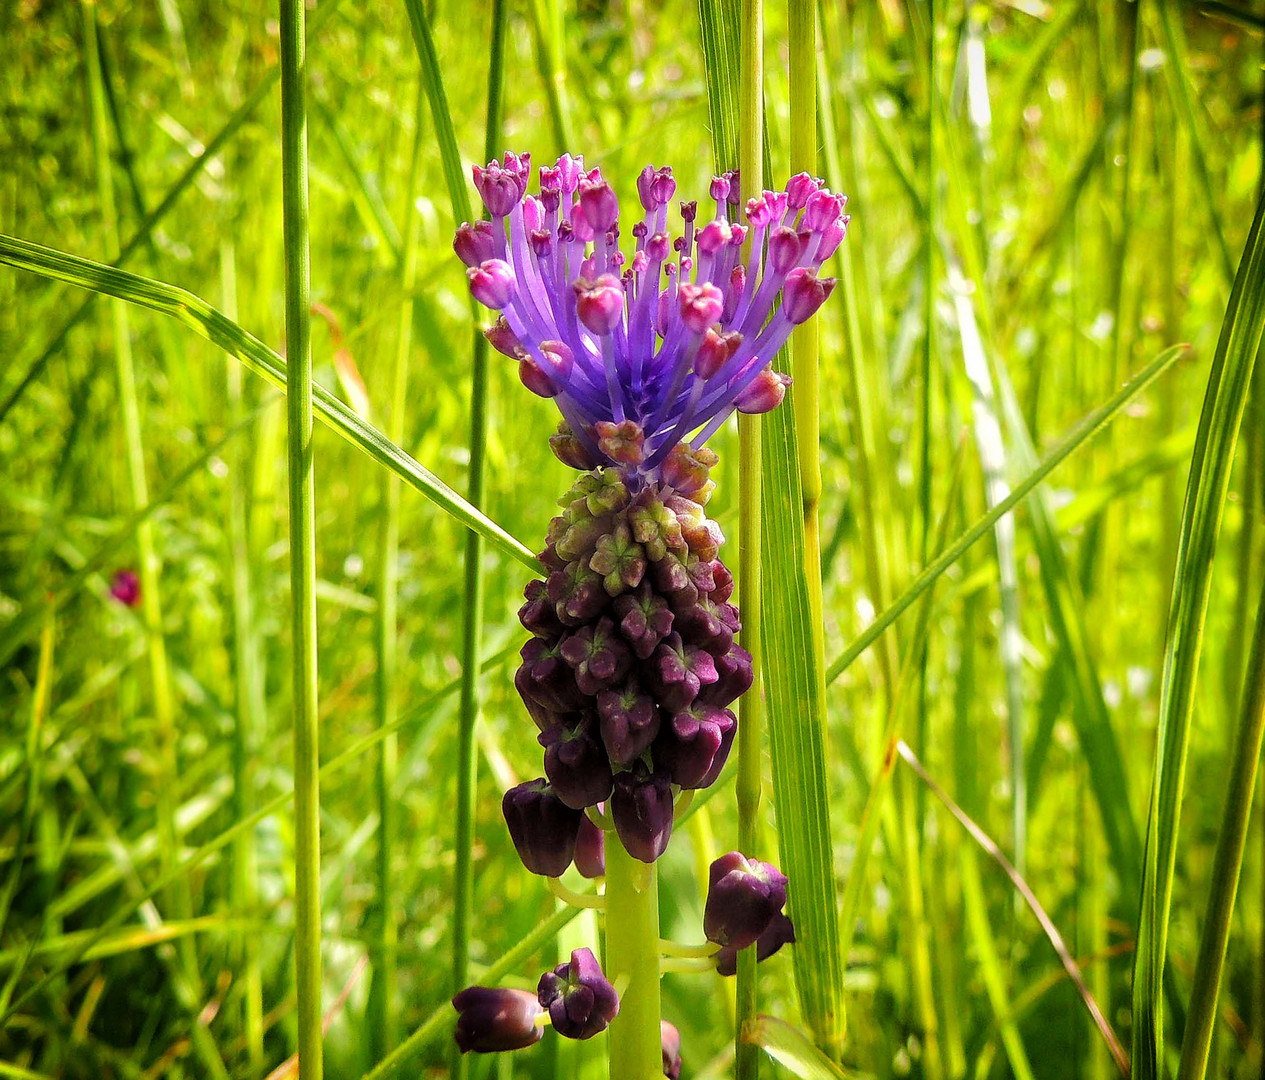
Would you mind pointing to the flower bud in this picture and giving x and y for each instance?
(779, 932)
(490, 1019)
(537, 613)
(532, 376)
(599, 205)
(678, 671)
(503, 339)
(804, 293)
(629, 722)
(799, 189)
(590, 850)
(492, 283)
(764, 393)
(125, 587)
(701, 305)
(687, 745)
(742, 898)
(624, 443)
(642, 809)
(712, 354)
(568, 449)
(580, 999)
(598, 656)
(670, 1042)
(784, 248)
(599, 304)
(712, 237)
(473, 243)
(498, 188)
(719, 189)
(576, 764)
(542, 826)
(734, 677)
(644, 619)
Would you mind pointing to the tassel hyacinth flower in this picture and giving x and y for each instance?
(647, 347)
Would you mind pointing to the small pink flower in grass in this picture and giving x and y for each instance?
(125, 587)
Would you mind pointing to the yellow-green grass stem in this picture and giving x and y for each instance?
(1201, 1017)
(382, 988)
(632, 954)
(302, 503)
(249, 708)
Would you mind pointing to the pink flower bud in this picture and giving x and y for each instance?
(764, 393)
(720, 188)
(503, 339)
(799, 189)
(492, 283)
(535, 379)
(759, 213)
(473, 243)
(715, 350)
(599, 205)
(701, 305)
(784, 249)
(599, 304)
(712, 237)
(804, 293)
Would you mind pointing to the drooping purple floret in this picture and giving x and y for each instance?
(580, 999)
(576, 763)
(641, 348)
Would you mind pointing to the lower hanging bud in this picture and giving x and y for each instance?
(743, 897)
(580, 999)
(642, 809)
(779, 932)
(544, 829)
(491, 1020)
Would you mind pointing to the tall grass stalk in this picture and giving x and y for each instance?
(149, 567)
(1226, 396)
(1201, 1017)
(382, 989)
(249, 713)
(472, 603)
(751, 728)
(302, 503)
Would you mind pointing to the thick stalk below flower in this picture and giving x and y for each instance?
(632, 953)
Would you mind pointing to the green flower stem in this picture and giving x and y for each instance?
(575, 899)
(632, 953)
(302, 499)
(751, 727)
(1202, 1017)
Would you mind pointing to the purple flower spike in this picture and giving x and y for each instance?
(678, 671)
(642, 809)
(590, 850)
(629, 722)
(491, 1020)
(670, 1043)
(125, 587)
(576, 764)
(633, 319)
(580, 999)
(743, 897)
(687, 746)
(779, 932)
(542, 826)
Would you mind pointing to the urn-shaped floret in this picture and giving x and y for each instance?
(580, 999)
(490, 1019)
(743, 897)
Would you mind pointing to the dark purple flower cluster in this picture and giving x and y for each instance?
(632, 664)
(673, 339)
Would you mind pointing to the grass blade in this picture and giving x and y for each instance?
(211, 324)
(1208, 483)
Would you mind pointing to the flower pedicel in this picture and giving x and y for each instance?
(633, 663)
